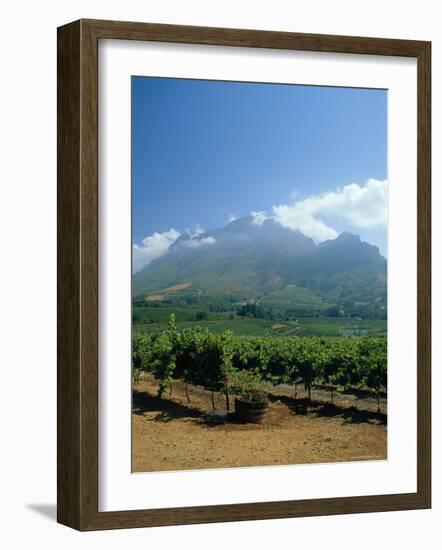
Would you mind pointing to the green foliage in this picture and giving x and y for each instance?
(249, 386)
(156, 319)
(218, 361)
(252, 310)
(373, 368)
(143, 353)
(168, 353)
(201, 316)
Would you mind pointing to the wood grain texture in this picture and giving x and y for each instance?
(424, 274)
(252, 38)
(68, 276)
(78, 274)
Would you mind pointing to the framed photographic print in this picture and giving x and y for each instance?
(243, 274)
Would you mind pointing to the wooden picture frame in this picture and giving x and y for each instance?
(78, 274)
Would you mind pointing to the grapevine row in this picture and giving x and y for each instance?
(209, 360)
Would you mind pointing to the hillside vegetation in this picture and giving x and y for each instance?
(278, 269)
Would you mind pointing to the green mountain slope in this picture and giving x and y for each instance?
(265, 262)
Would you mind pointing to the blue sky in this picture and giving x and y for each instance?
(205, 151)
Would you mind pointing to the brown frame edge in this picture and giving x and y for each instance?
(77, 249)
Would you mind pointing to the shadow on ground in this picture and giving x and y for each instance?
(48, 511)
(350, 415)
(360, 393)
(167, 410)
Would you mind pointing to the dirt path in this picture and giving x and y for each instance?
(172, 434)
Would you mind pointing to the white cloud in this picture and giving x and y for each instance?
(298, 217)
(195, 243)
(361, 206)
(258, 218)
(232, 218)
(152, 247)
(195, 232)
(318, 216)
(198, 230)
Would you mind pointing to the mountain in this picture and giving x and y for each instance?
(266, 262)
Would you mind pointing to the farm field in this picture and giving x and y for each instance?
(172, 434)
(154, 319)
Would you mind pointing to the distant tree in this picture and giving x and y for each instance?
(136, 319)
(252, 310)
(332, 311)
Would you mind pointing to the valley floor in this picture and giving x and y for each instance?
(172, 434)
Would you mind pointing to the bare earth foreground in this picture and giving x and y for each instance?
(172, 434)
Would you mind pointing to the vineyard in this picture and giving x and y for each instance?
(155, 318)
(225, 363)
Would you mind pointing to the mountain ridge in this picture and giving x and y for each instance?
(250, 261)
